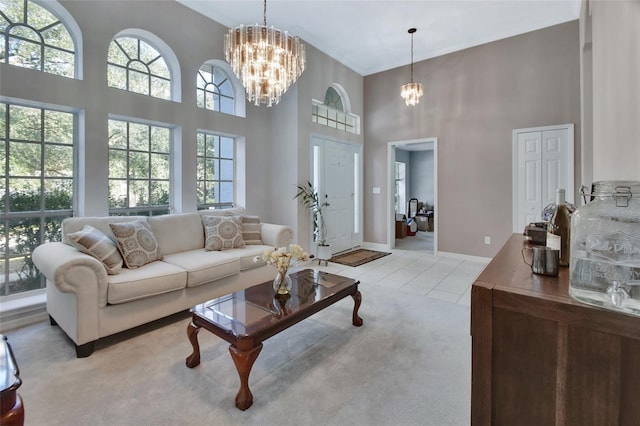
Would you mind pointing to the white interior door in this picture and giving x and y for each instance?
(542, 163)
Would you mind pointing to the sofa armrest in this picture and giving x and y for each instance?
(72, 272)
(276, 235)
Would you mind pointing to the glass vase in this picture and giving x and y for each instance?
(282, 283)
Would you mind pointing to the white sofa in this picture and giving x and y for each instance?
(89, 304)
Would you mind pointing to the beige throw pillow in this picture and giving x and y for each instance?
(136, 242)
(93, 242)
(251, 230)
(223, 232)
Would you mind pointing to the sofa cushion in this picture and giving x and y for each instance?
(247, 254)
(178, 232)
(136, 242)
(93, 242)
(204, 266)
(148, 280)
(234, 211)
(222, 233)
(251, 230)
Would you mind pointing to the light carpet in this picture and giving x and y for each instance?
(409, 364)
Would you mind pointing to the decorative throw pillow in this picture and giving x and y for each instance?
(222, 232)
(251, 230)
(93, 242)
(136, 242)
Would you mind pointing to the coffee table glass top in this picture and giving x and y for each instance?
(258, 307)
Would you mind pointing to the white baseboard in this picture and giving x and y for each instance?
(23, 311)
(374, 246)
(383, 247)
(464, 257)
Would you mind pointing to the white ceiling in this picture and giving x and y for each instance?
(371, 36)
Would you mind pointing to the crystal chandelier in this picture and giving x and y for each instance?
(266, 60)
(411, 92)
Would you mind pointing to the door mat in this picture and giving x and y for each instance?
(358, 257)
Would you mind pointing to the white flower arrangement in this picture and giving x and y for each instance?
(281, 257)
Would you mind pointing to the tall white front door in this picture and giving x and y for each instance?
(543, 162)
(336, 172)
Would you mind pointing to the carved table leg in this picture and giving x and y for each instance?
(193, 360)
(357, 299)
(244, 361)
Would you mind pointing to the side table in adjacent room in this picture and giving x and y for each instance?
(11, 408)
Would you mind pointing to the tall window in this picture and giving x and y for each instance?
(333, 113)
(214, 90)
(136, 66)
(215, 171)
(33, 37)
(37, 152)
(139, 168)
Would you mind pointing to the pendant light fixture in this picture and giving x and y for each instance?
(411, 92)
(266, 60)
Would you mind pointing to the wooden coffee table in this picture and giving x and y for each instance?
(248, 317)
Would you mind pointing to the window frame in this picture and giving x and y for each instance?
(65, 19)
(42, 215)
(169, 57)
(216, 92)
(328, 116)
(149, 209)
(216, 158)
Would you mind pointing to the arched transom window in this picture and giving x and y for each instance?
(136, 66)
(333, 100)
(33, 37)
(214, 89)
(335, 111)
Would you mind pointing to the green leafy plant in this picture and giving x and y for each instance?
(310, 199)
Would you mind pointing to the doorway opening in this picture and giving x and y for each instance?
(420, 183)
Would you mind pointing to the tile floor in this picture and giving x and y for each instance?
(417, 272)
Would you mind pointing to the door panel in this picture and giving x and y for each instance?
(338, 191)
(339, 182)
(529, 191)
(542, 165)
(554, 158)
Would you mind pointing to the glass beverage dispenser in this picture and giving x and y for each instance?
(605, 247)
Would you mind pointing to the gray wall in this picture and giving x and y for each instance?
(610, 67)
(473, 100)
(422, 184)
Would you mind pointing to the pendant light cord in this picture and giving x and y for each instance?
(411, 57)
(265, 13)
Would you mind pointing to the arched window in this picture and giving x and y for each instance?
(333, 100)
(41, 37)
(214, 89)
(335, 111)
(218, 89)
(139, 64)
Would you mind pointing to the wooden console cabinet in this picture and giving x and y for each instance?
(541, 358)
